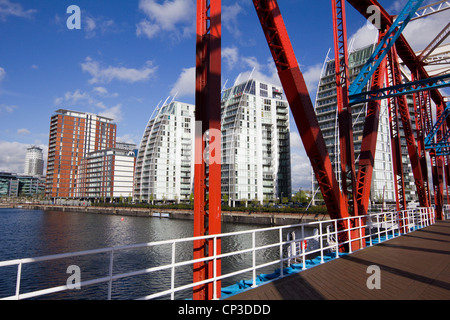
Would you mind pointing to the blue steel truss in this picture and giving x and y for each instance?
(402, 89)
(443, 143)
(384, 46)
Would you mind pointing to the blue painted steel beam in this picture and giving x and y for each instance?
(384, 46)
(429, 138)
(440, 145)
(402, 89)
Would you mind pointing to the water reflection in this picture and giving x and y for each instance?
(36, 233)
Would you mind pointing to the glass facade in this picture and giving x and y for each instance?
(165, 162)
(382, 187)
(255, 143)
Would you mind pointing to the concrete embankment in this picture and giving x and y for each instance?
(262, 218)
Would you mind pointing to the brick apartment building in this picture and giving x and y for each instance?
(73, 135)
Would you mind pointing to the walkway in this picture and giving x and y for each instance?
(414, 266)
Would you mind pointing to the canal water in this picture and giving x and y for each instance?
(34, 233)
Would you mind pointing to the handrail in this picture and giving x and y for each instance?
(376, 226)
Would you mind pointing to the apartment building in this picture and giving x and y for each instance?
(34, 162)
(255, 143)
(382, 187)
(165, 162)
(106, 175)
(72, 136)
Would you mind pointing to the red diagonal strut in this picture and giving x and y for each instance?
(300, 103)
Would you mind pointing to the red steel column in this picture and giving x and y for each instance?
(397, 163)
(369, 141)
(348, 178)
(207, 174)
(405, 117)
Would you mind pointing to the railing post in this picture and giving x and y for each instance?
(321, 241)
(215, 269)
(303, 248)
(349, 232)
(19, 275)
(254, 259)
(172, 275)
(111, 258)
(280, 233)
(336, 237)
(360, 233)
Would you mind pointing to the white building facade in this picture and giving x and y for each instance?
(165, 162)
(255, 143)
(382, 187)
(106, 175)
(34, 162)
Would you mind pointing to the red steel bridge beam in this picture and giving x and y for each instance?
(207, 170)
(409, 135)
(369, 141)
(404, 50)
(347, 151)
(302, 109)
(300, 103)
(410, 59)
(399, 183)
(423, 124)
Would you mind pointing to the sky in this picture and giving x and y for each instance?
(131, 55)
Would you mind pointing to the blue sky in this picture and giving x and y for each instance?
(131, 54)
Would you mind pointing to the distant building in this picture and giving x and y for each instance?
(382, 185)
(165, 162)
(14, 185)
(73, 135)
(256, 162)
(106, 175)
(126, 146)
(34, 162)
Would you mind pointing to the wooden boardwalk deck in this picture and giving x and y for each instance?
(415, 266)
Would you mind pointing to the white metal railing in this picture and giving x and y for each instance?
(446, 211)
(362, 230)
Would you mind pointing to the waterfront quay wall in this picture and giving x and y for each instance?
(261, 218)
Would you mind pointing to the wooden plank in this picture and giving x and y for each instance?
(413, 266)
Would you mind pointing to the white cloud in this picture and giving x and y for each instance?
(230, 18)
(185, 84)
(311, 74)
(8, 8)
(102, 74)
(263, 72)
(93, 25)
(363, 37)
(129, 138)
(419, 33)
(174, 16)
(2, 73)
(300, 164)
(114, 113)
(230, 56)
(7, 108)
(146, 28)
(12, 155)
(23, 132)
(91, 99)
